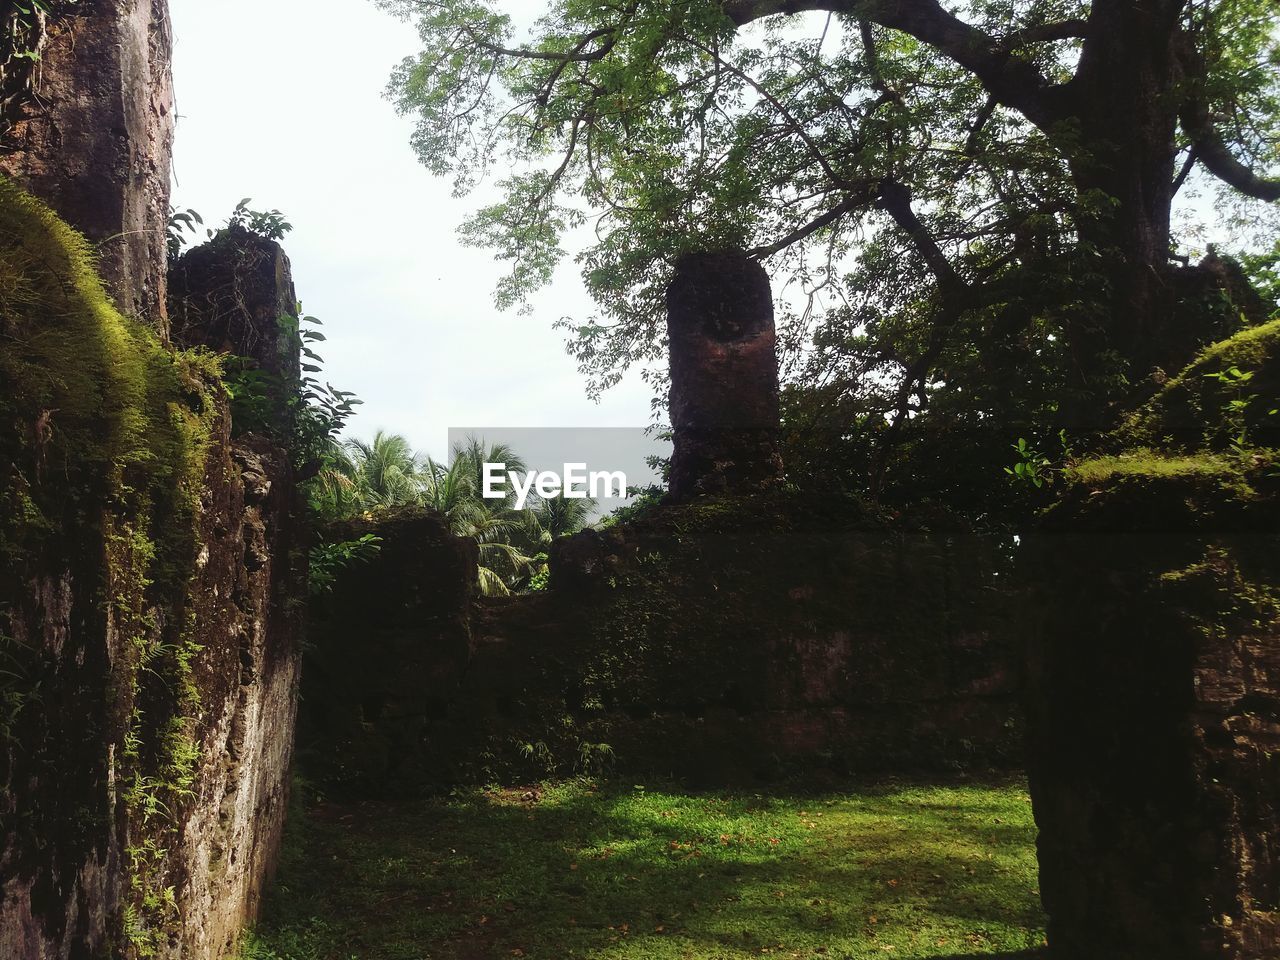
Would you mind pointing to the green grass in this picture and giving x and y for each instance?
(627, 873)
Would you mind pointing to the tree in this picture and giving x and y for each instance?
(496, 525)
(990, 178)
(562, 517)
(385, 471)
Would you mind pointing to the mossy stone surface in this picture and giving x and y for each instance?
(1155, 670)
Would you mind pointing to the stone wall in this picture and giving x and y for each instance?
(153, 568)
(765, 636)
(388, 649)
(96, 141)
(1154, 680)
(250, 625)
(150, 616)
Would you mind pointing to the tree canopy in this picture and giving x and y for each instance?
(986, 179)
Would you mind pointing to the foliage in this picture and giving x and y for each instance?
(1034, 468)
(181, 223)
(1235, 408)
(929, 183)
(305, 414)
(626, 871)
(643, 498)
(1263, 270)
(1223, 400)
(369, 477)
(505, 534)
(268, 224)
(328, 560)
(23, 27)
(20, 18)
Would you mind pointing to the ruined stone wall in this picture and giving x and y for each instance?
(249, 614)
(150, 622)
(388, 649)
(152, 555)
(732, 639)
(1154, 679)
(765, 632)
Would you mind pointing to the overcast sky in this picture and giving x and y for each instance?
(282, 101)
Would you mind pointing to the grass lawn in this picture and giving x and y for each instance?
(629, 873)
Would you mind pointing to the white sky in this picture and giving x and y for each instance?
(281, 101)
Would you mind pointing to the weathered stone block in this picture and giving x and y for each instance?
(388, 649)
(724, 376)
(97, 142)
(151, 600)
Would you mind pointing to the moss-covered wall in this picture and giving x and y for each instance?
(147, 634)
(1155, 675)
(765, 635)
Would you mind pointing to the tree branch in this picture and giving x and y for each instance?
(1046, 33)
(1215, 156)
(577, 55)
(796, 126)
(860, 198)
(1207, 145)
(1013, 82)
(895, 200)
(1185, 172)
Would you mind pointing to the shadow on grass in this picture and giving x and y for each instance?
(632, 875)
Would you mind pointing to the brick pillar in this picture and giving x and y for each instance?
(724, 376)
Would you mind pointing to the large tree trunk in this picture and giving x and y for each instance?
(1124, 167)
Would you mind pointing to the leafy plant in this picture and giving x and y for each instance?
(181, 223)
(1033, 467)
(1235, 410)
(18, 688)
(23, 25)
(307, 415)
(594, 759)
(268, 224)
(328, 560)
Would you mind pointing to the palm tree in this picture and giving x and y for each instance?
(447, 488)
(375, 475)
(494, 523)
(334, 494)
(385, 471)
(561, 517)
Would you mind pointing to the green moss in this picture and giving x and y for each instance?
(1250, 347)
(1146, 463)
(104, 438)
(1195, 409)
(1206, 444)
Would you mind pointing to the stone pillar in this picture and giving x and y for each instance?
(97, 142)
(724, 376)
(230, 294)
(1154, 716)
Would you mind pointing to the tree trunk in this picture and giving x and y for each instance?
(1124, 167)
